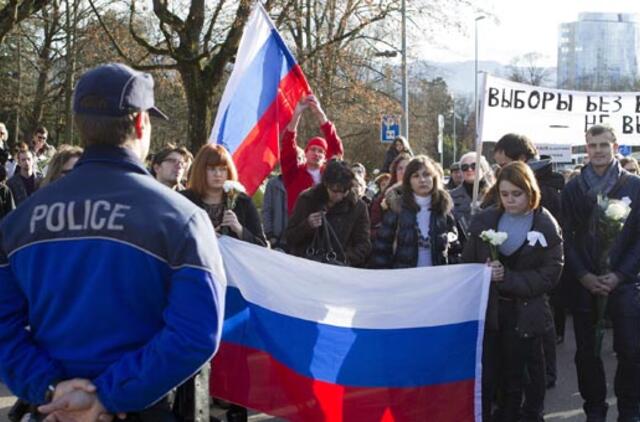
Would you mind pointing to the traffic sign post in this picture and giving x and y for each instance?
(624, 150)
(389, 128)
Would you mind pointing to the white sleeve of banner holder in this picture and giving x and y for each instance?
(356, 298)
(556, 116)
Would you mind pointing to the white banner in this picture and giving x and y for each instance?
(555, 116)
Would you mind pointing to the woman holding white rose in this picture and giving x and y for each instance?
(231, 211)
(525, 266)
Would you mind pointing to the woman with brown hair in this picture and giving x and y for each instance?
(237, 217)
(392, 191)
(61, 163)
(528, 266)
(419, 229)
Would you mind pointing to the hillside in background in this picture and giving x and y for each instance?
(459, 75)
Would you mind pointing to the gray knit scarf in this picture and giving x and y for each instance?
(594, 184)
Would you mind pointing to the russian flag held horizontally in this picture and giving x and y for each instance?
(313, 342)
(258, 101)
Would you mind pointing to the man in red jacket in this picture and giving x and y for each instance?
(299, 176)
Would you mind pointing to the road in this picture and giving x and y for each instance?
(562, 404)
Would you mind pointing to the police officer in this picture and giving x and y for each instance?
(118, 278)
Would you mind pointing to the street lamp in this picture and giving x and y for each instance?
(476, 182)
(405, 92)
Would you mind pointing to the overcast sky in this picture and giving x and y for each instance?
(523, 26)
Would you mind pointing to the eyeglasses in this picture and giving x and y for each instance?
(174, 161)
(467, 167)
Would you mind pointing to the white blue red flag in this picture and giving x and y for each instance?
(258, 101)
(312, 342)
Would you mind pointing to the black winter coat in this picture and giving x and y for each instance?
(551, 184)
(349, 219)
(582, 247)
(532, 271)
(247, 214)
(396, 243)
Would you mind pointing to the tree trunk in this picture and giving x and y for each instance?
(199, 92)
(16, 133)
(70, 30)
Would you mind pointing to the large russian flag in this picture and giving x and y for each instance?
(313, 342)
(258, 101)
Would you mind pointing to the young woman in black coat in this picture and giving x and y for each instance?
(212, 167)
(529, 266)
(418, 230)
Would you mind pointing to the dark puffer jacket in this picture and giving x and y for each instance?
(348, 218)
(535, 270)
(396, 243)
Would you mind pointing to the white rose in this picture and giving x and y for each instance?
(617, 210)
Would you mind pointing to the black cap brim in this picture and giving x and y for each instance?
(155, 112)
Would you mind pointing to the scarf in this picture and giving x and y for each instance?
(593, 184)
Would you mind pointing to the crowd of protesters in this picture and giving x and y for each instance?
(323, 208)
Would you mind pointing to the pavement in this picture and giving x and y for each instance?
(562, 403)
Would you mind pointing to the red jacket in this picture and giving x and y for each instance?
(295, 176)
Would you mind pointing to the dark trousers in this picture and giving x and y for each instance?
(549, 349)
(624, 309)
(506, 356)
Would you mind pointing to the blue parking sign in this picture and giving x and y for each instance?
(624, 150)
(389, 128)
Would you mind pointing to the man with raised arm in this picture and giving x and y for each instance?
(299, 176)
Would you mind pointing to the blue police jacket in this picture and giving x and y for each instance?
(108, 275)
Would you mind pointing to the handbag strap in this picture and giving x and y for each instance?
(332, 240)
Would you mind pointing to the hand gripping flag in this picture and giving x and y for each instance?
(312, 342)
(258, 101)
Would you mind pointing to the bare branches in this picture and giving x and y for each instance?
(141, 41)
(17, 10)
(166, 17)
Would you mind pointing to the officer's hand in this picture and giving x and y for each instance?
(230, 219)
(315, 219)
(593, 283)
(76, 406)
(68, 386)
